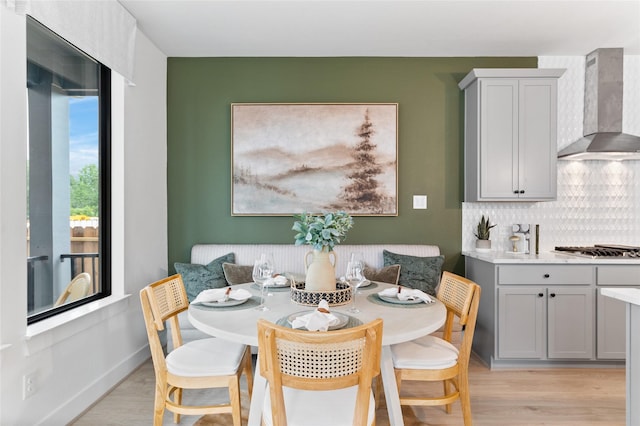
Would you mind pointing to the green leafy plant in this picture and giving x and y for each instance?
(484, 229)
(322, 232)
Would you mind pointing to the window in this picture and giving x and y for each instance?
(68, 175)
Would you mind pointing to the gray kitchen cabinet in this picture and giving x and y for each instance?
(611, 313)
(510, 134)
(521, 322)
(571, 318)
(545, 322)
(534, 313)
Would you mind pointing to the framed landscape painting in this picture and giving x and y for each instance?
(294, 158)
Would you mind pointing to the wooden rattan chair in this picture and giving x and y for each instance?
(431, 358)
(79, 287)
(319, 378)
(204, 363)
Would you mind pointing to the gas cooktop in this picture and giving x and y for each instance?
(602, 251)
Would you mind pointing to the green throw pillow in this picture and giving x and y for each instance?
(237, 274)
(417, 272)
(386, 274)
(203, 277)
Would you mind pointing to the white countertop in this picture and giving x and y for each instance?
(546, 257)
(629, 295)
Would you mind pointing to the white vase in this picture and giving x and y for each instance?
(321, 273)
(483, 245)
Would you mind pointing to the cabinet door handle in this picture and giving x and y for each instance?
(552, 295)
(540, 294)
(516, 192)
(522, 191)
(546, 275)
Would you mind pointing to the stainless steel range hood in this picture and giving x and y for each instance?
(602, 127)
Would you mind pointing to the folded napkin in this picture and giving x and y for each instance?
(219, 295)
(277, 281)
(316, 320)
(406, 294)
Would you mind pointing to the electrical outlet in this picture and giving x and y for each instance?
(28, 385)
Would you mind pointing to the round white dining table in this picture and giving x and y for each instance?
(401, 323)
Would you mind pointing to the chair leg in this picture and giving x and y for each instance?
(248, 371)
(234, 398)
(159, 403)
(177, 397)
(465, 400)
(445, 385)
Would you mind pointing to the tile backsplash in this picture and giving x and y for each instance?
(598, 201)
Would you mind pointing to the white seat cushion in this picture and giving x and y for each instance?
(425, 353)
(205, 357)
(318, 408)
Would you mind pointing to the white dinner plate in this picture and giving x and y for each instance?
(342, 319)
(230, 302)
(398, 301)
(274, 285)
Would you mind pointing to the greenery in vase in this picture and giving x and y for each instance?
(322, 232)
(484, 229)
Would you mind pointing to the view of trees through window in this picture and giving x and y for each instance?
(83, 155)
(85, 192)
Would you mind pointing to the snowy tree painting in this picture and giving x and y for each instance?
(290, 158)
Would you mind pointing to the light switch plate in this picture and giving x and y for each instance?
(420, 202)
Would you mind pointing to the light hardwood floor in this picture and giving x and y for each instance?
(555, 397)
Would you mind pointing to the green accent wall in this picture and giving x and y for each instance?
(430, 142)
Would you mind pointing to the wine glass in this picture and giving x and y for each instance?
(355, 279)
(262, 272)
(272, 269)
(358, 260)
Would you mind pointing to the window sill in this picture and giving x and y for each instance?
(51, 331)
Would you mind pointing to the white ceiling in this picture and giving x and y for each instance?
(387, 28)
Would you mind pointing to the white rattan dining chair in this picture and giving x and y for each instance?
(319, 378)
(204, 363)
(431, 358)
(79, 287)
